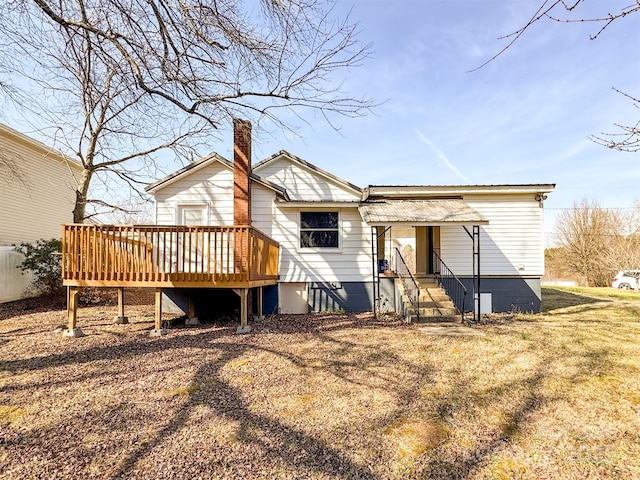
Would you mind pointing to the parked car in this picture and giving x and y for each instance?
(626, 279)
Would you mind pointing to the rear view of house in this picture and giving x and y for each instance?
(340, 244)
(37, 194)
(286, 236)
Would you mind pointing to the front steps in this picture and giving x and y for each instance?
(435, 306)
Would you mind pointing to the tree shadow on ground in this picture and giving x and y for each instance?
(144, 438)
(257, 433)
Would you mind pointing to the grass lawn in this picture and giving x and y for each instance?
(549, 396)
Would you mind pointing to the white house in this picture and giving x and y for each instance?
(37, 194)
(337, 240)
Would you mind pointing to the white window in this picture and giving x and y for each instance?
(319, 230)
(192, 214)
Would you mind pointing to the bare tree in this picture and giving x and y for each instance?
(125, 79)
(564, 11)
(596, 242)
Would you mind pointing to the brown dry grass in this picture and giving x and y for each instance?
(553, 396)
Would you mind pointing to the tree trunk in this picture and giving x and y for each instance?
(79, 209)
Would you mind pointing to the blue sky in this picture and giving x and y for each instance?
(523, 118)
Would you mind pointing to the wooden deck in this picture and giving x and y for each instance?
(159, 256)
(167, 256)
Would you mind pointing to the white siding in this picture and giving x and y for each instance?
(35, 206)
(211, 185)
(352, 263)
(303, 184)
(511, 244)
(263, 208)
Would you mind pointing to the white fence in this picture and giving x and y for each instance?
(13, 284)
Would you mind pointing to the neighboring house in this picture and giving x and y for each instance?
(37, 194)
(337, 239)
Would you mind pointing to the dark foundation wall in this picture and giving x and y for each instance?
(349, 296)
(211, 304)
(507, 294)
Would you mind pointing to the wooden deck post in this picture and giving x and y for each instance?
(121, 318)
(260, 303)
(244, 311)
(158, 330)
(191, 312)
(72, 314)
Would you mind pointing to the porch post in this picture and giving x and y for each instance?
(120, 319)
(158, 330)
(381, 237)
(191, 312)
(72, 314)
(260, 304)
(476, 272)
(244, 311)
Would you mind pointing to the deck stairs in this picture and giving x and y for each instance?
(434, 303)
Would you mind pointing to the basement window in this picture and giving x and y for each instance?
(319, 229)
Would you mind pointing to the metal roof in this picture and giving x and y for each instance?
(433, 191)
(420, 212)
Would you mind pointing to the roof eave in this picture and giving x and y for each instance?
(310, 166)
(187, 169)
(436, 223)
(391, 191)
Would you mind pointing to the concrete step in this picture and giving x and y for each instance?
(434, 312)
(430, 298)
(432, 291)
(437, 319)
(434, 304)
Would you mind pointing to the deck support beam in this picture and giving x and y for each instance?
(191, 312)
(158, 330)
(244, 310)
(260, 303)
(121, 318)
(72, 314)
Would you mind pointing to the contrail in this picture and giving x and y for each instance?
(440, 154)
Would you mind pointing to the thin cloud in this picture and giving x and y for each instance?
(440, 154)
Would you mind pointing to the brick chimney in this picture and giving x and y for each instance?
(241, 172)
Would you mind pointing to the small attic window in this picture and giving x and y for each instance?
(192, 214)
(319, 229)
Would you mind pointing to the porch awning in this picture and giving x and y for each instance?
(420, 213)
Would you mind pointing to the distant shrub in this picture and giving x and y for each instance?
(43, 258)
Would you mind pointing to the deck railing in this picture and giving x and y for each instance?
(148, 255)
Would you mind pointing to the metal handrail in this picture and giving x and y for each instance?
(411, 287)
(455, 288)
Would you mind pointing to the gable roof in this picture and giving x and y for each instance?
(310, 167)
(203, 162)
